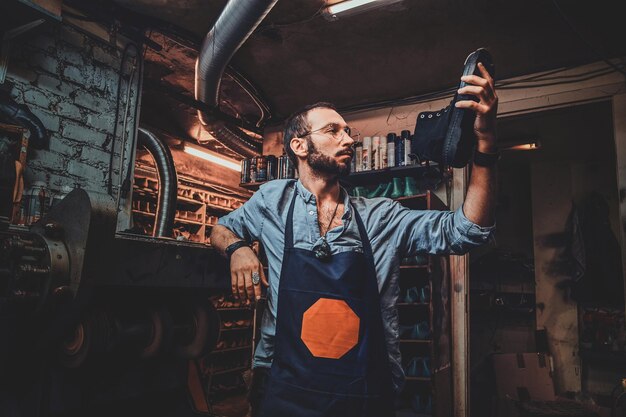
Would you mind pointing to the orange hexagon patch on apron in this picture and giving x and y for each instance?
(330, 328)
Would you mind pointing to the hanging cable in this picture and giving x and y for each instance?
(120, 76)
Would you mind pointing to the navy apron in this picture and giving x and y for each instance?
(330, 354)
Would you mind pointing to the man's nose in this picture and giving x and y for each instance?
(346, 138)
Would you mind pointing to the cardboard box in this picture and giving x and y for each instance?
(522, 377)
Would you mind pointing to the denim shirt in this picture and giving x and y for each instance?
(395, 232)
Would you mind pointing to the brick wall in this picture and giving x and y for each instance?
(70, 81)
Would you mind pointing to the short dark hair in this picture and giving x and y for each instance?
(297, 125)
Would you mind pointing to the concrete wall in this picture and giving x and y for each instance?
(70, 82)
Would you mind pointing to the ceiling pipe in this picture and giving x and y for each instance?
(168, 182)
(234, 25)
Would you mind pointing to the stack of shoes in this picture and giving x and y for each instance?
(419, 366)
(422, 403)
(396, 188)
(447, 136)
(418, 331)
(416, 295)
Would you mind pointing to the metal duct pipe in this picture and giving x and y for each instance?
(21, 114)
(234, 25)
(168, 182)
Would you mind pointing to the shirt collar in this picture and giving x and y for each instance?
(308, 197)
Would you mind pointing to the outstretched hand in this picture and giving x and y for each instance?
(483, 88)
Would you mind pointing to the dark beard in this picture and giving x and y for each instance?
(325, 165)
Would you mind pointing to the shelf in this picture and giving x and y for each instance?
(229, 371)
(233, 349)
(418, 378)
(425, 201)
(148, 192)
(231, 329)
(413, 304)
(380, 175)
(176, 220)
(252, 186)
(414, 266)
(234, 308)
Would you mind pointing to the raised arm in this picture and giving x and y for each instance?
(479, 204)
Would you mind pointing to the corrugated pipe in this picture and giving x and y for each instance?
(168, 182)
(21, 114)
(235, 24)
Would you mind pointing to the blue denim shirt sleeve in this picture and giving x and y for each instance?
(433, 231)
(247, 221)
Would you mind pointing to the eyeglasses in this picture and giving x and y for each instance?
(336, 131)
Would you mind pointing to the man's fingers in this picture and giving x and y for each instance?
(473, 90)
(485, 73)
(241, 285)
(249, 286)
(233, 283)
(475, 80)
(263, 277)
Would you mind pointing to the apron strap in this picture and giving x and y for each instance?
(289, 224)
(365, 241)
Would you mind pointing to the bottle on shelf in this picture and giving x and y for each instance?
(399, 141)
(253, 171)
(358, 157)
(285, 167)
(261, 168)
(376, 152)
(382, 152)
(272, 167)
(367, 153)
(245, 171)
(406, 140)
(391, 149)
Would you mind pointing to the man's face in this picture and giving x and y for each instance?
(330, 150)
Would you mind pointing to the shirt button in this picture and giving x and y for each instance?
(311, 212)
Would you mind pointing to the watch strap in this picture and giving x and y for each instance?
(486, 159)
(230, 249)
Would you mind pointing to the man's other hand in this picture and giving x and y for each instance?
(244, 263)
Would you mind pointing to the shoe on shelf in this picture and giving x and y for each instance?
(447, 136)
(398, 188)
(410, 187)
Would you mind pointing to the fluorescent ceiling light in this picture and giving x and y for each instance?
(212, 157)
(530, 146)
(350, 7)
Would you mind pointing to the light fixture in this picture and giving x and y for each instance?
(212, 157)
(351, 7)
(529, 146)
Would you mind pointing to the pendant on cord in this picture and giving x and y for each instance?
(322, 252)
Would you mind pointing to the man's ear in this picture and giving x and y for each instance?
(299, 147)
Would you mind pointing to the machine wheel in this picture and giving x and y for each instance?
(197, 331)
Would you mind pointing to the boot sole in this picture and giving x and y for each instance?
(455, 131)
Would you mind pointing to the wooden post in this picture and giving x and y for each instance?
(459, 269)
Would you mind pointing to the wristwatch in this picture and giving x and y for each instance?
(486, 159)
(230, 249)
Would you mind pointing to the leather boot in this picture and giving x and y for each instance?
(447, 136)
